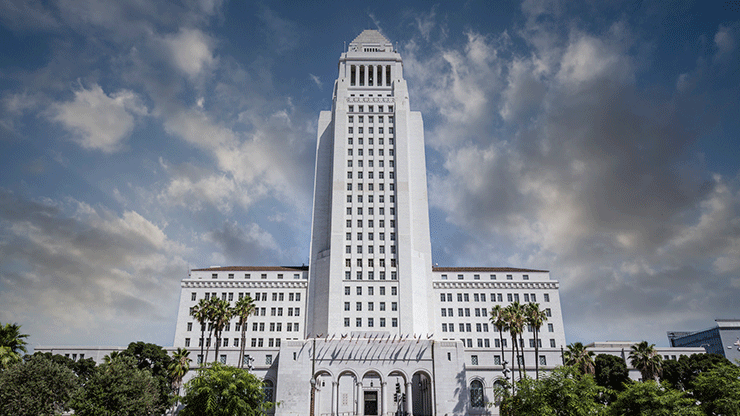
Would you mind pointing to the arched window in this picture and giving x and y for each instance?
(476, 393)
(267, 388)
(499, 389)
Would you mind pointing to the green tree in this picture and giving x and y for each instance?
(179, 367)
(536, 318)
(12, 344)
(680, 374)
(154, 358)
(36, 387)
(220, 390)
(577, 355)
(222, 313)
(611, 372)
(82, 367)
(500, 322)
(646, 359)
(516, 321)
(718, 390)
(201, 314)
(118, 388)
(243, 309)
(563, 392)
(651, 399)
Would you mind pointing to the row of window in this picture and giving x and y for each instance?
(492, 277)
(479, 327)
(371, 306)
(371, 224)
(360, 151)
(370, 236)
(370, 164)
(370, 119)
(479, 312)
(276, 297)
(370, 322)
(370, 175)
(381, 142)
(370, 130)
(369, 74)
(262, 275)
(256, 327)
(371, 187)
(370, 273)
(370, 263)
(495, 297)
(371, 290)
(370, 108)
(371, 210)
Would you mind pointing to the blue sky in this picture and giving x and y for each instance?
(595, 139)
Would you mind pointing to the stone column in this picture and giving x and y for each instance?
(383, 394)
(334, 397)
(360, 399)
(409, 406)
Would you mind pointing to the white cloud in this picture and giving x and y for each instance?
(191, 51)
(315, 79)
(87, 270)
(99, 121)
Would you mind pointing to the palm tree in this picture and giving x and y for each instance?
(114, 355)
(200, 312)
(577, 355)
(8, 357)
(644, 358)
(517, 320)
(178, 368)
(498, 320)
(536, 318)
(221, 314)
(11, 337)
(243, 308)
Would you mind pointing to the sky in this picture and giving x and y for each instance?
(595, 139)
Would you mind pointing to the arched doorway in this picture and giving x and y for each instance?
(395, 394)
(324, 393)
(347, 393)
(371, 394)
(421, 392)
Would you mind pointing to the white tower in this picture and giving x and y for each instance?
(370, 265)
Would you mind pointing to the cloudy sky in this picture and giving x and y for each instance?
(596, 139)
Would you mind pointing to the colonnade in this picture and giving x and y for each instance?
(370, 75)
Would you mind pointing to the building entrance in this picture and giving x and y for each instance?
(371, 403)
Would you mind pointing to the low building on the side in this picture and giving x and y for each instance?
(623, 348)
(723, 339)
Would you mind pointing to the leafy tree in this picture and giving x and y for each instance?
(577, 355)
(563, 392)
(611, 372)
(645, 358)
(155, 359)
(718, 390)
(82, 367)
(680, 374)
(243, 309)
(118, 388)
(35, 387)
(651, 399)
(220, 390)
(535, 318)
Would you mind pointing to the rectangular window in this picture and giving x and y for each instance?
(190, 326)
(193, 296)
(550, 328)
(370, 322)
(548, 313)
(268, 359)
(473, 360)
(394, 306)
(187, 342)
(547, 297)
(358, 322)
(444, 327)
(394, 322)
(382, 306)
(552, 343)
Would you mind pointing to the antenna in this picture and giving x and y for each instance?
(345, 46)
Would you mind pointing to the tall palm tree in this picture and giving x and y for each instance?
(577, 355)
(221, 314)
(200, 312)
(243, 308)
(536, 318)
(498, 320)
(517, 320)
(645, 358)
(8, 357)
(11, 337)
(179, 367)
(114, 355)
